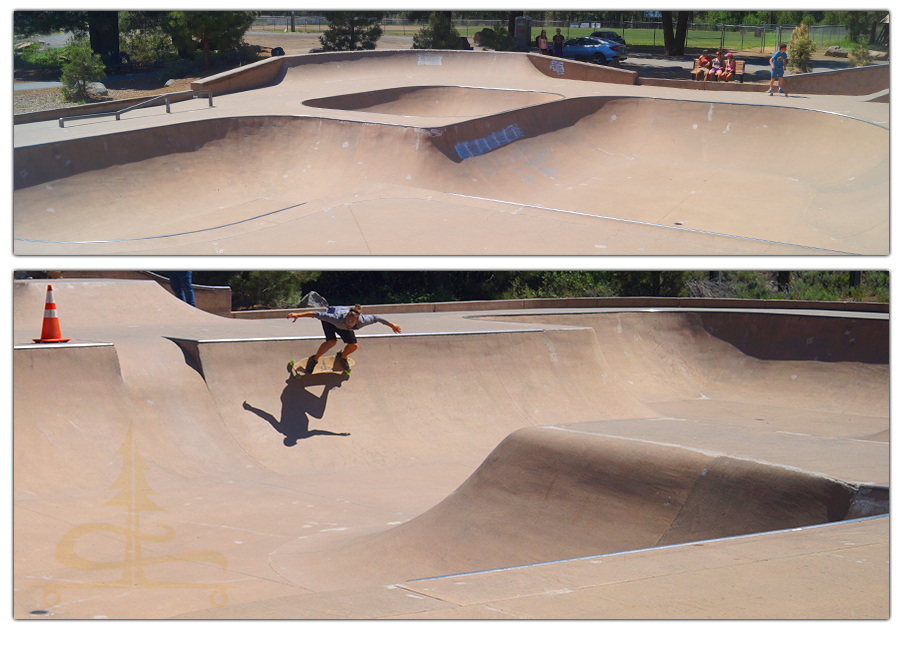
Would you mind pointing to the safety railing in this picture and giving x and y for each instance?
(195, 94)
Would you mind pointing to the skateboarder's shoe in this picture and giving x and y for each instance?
(340, 361)
(311, 365)
(769, 91)
(781, 91)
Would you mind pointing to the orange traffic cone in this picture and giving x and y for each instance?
(50, 332)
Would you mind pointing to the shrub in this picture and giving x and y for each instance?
(33, 57)
(860, 56)
(150, 45)
(82, 66)
(800, 50)
(498, 40)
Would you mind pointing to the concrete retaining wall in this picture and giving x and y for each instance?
(583, 303)
(856, 81)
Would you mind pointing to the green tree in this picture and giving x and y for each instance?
(268, 289)
(498, 40)
(213, 29)
(82, 67)
(351, 30)
(438, 34)
(800, 50)
(864, 24)
(674, 41)
(101, 26)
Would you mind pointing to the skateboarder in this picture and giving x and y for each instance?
(341, 321)
(778, 62)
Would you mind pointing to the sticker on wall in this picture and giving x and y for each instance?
(558, 67)
(429, 59)
(486, 144)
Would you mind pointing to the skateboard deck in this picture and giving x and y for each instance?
(325, 365)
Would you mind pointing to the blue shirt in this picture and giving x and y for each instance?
(779, 59)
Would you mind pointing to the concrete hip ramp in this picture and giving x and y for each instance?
(166, 464)
(308, 165)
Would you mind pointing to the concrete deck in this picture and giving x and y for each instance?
(552, 463)
(446, 153)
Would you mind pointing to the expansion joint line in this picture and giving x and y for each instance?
(652, 224)
(166, 235)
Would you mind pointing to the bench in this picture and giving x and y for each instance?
(738, 71)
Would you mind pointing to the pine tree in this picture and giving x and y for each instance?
(81, 68)
(351, 30)
(225, 29)
(438, 34)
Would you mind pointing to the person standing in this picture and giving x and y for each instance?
(542, 42)
(778, 63)
(180, 282)
(559, 43)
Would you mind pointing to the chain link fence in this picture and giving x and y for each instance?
(760, 38)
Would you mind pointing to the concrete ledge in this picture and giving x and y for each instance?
(856, 81)
(730, 86)
(578, 71)
(245, 77)
(89, 108)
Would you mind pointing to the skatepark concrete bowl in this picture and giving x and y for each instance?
(652, 461)
(435, 101)
(392, 153)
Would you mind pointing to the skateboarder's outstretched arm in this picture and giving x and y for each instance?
(300, 315)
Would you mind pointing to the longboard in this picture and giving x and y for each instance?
(325, 365)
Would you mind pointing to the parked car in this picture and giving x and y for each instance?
(616, 38)
(608, 35)
(592, 50)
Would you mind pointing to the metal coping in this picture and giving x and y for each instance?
(318, 337)
(77, 344)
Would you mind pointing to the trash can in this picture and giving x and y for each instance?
(522, 37)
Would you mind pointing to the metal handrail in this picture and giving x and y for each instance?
(195, 94)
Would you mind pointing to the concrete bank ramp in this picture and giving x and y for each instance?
(548, 493)
(664, 169)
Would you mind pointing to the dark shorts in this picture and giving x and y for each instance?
(331, 333)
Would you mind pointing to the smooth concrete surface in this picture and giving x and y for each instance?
(607, 167)
(598, 463)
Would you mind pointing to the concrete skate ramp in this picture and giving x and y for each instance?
(288, 487)
(546, 494)
(660, 169)
(681, 369)
(512, 380)
(437, 101)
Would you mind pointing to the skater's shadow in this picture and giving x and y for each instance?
(298, 405)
